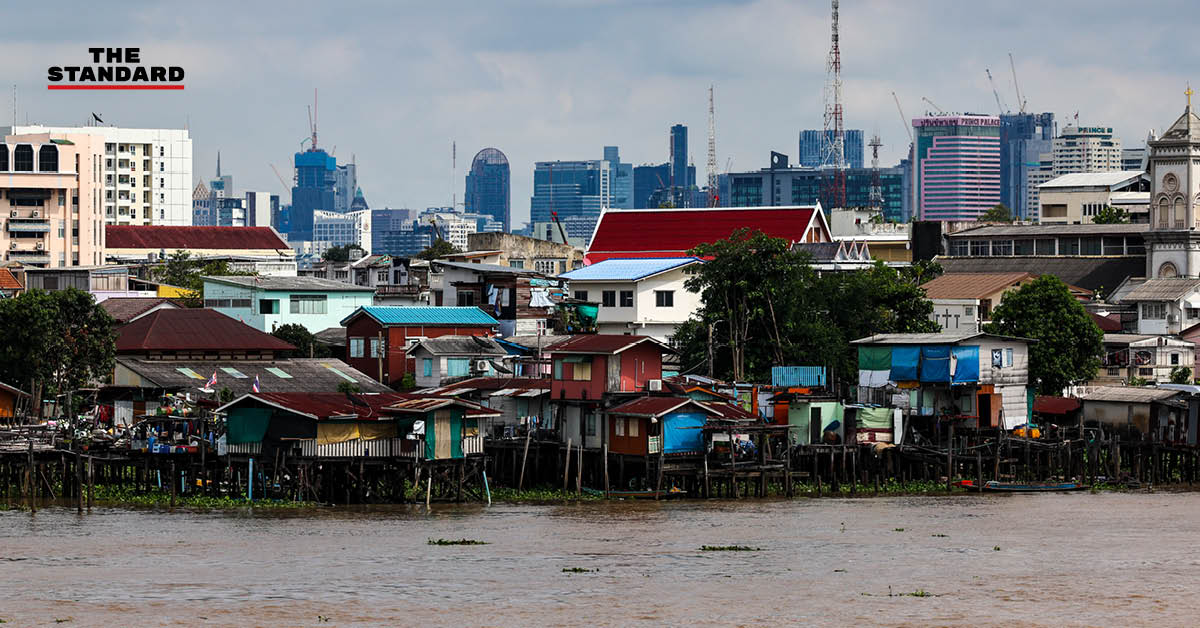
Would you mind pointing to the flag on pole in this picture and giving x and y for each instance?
(255, 387)
(212, 381)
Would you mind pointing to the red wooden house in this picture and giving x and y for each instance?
(377, 337)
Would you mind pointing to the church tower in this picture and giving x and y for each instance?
(1173, 241)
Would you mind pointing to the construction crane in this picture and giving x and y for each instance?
(934, 105)
(1016, 86)
(995, 92)
(282, 182)
(562, 232)
(903, 119)
(713, 197)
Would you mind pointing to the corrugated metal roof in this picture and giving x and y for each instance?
(295, 284)
(629, 269)
(1164, 289)
(1128, 394)
(945, 337)
(1045, 231)
(600, 343)
(972, 285)
(306, 374)
(171, 238)
(460, 345)
(654, 406)
(497, 383)
(1093, 179)
(417, 315)
(327, 405)
(1055, 405)
(193, 329)
(1090, 273)
(125, 309)
(489, 268)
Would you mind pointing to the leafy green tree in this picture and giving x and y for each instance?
(339, 253)
(408, 382)
(306, 344)
(181, 271)
(348, 388)
(1069, 343)
(56, 342)
(1110, 215)
(999, 213)
(438, 249)
(921, 272)
(1181, 375)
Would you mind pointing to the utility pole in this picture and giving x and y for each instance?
(380, 353)
(710, 349)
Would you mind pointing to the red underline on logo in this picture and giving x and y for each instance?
(114, 87)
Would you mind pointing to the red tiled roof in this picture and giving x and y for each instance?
(672, 232)
(363, 407)
(1105, 323)
(168, 238)
(599, 343)
(125, 309)
(1055, 405)
(8, 281)
(730, 411)
(195, 330)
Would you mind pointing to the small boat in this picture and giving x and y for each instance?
(647, 494)
(1015, 487)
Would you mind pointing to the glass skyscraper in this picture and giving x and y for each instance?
(1023, 137)
(488, 189)
(810, 147)
(957, 166)
(620, 177)
(569, 188)
(314, 190)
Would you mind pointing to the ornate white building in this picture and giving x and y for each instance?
(1173, 241)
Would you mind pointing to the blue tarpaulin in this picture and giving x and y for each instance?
(935, 363)
(679, 435)
(904, 363)
(966, 368)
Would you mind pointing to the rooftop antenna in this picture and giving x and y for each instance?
(876, 193)
(453, 173)
(713, 197)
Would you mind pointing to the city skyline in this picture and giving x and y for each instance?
(397, 104)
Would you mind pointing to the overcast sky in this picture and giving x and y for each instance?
(559, 79)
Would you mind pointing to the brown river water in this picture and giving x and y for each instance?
(1068, 559)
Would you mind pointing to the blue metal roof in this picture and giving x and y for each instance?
(631, 269)
(403, 315)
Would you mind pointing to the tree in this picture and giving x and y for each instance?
(1181, 375)
(349, 388)
(999, 213)
(57, 342)
(1110, 215)
(1069, 343)
(339, 253)
(439, 248)
(181, 271)
(306, 344)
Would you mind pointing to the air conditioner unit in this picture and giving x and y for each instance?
(654, 385)
(41, 246)
(1172, 319)
(36, 214)
(13, 246)
(13, 214)
(481, 365)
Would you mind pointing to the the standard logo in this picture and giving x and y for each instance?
(115, 68)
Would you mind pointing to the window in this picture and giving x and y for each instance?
(356, 347)
(969, 310)
(217, 303)
(627, 298)
(1002, 247)
(664, 298)
(381, 276)
(581, 295)
(3, 157)
(308, 303)
(458, 367)
(243, 303)
(466, 298)
(959, 248)
(1089, 246)
(980, 248)
(376, 347)
(1142, 371)
(591, 425)
(190, 373)
(1154, 311)
(1193, 312)
(581, 371)
(633, 428)
(1114, 370)
(1008, 357)
(516, 263)
(278, 372)
(608, 298)
(427, 367)
(48, 158)
(23, 158)
(233, 372)
(619, 425)
(1045, 247)
(268, 306)
(1022, 247)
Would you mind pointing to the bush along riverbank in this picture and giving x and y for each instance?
(125, 496)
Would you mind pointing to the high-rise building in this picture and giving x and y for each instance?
(648, 180)
(1023, 138)
(679, 157)
(810, 147)
(784, 185)
(1037, 173)
(1134, 159)
(488, 188)
(314, 190)
(345, 183)
(202, 206)
(1086, 149)
(392, 232)
(52, 199)
(261, 207)
(146, 174)
(957, 166)
(620, 177)
(570, 189)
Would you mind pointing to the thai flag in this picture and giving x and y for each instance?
(255, 387)
(212, 381)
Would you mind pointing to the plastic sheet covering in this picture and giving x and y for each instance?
(679, 435)
(874, 358)
(873, 379)
(935, 363)
(377, 431)
(904, 363)
(248, 425)
(875, 418)
(966, 367)
(330, 433)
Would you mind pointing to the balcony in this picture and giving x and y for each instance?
(398, 289)
(28, 225)
(29, 257)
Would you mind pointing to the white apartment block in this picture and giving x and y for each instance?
(1087, 149)
(146, 173)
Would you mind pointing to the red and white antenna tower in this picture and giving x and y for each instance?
(876, 194)
(833, 140)
(713, 198)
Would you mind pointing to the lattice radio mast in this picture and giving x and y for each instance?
(714, 199)
(833, 140)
